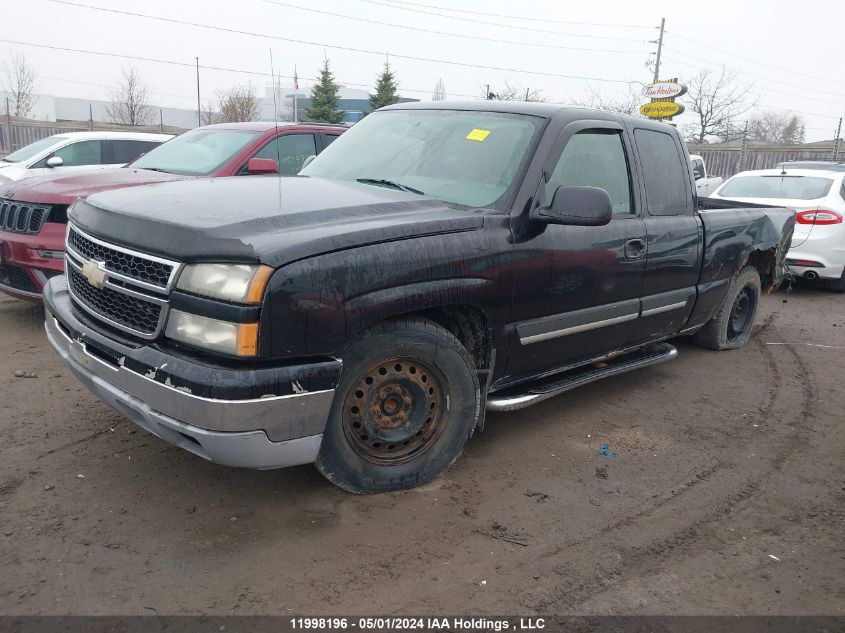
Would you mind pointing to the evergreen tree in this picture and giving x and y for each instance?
(324, 99)
(386, 87)
(793, 132)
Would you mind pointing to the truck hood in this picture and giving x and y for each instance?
(64, 189)
(264, 219)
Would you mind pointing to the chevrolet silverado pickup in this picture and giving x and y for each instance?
(439, 260)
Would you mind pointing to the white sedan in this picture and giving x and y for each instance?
(76, 151)
(818, 198)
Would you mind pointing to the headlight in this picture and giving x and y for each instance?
(238, 283)
(235, 339)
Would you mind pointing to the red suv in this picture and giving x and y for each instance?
(33, 212)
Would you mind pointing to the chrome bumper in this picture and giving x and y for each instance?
(175, 415)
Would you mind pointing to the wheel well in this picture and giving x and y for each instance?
(469, 325)
(764, 262)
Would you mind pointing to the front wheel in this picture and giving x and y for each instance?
(731, 326)
(407, 402)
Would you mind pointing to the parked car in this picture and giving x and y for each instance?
(704, 184)
(441, 259)
(72, 152)
(33, 213)
(817, 253)
(823, 165)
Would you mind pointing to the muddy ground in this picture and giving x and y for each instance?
(726, 496)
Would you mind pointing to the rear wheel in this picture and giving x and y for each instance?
(731, 326)
(836, 285)
(407, 401)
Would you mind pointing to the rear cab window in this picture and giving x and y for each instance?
(665, 173)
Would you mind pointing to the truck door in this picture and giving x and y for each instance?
(673, 231)
(577, 288)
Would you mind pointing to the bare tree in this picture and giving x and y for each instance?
(239, 103)
(130, 101)
(439, 91)
(208, 115)
(627, 103)
(511, 92)
(719, 102)
(20, 84)
(775, 127)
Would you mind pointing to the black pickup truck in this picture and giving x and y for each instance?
(436, 261)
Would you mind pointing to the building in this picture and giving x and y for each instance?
(58, 109)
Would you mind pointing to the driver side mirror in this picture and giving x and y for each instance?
(260, 166)
(55, 161)
(576, 206)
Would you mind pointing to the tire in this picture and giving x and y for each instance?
(835, 285)
(730, 327)
(407, 401)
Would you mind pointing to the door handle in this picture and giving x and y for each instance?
(634, 249)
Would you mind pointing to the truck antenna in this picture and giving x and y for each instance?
(276, 129)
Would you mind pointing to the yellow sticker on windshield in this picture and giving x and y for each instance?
(478, 135)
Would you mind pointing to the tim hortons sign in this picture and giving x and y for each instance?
(666, 90)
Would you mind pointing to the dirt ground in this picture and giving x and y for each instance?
(726, 496)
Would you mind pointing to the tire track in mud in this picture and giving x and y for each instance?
(639, 560)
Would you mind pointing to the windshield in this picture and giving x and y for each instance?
(467, 158)
(777, 186)
(196, 153)
(25, 153)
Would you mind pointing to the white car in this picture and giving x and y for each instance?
(818, 198)
(704, 184)
(76, 151)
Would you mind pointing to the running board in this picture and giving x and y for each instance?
(513, 399)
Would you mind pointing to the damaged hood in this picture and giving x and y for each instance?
(271, 220)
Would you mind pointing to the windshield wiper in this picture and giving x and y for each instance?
(158, 169)
(389, 183)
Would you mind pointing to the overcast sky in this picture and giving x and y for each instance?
(784, 51)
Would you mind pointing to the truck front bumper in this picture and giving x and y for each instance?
(273, 431)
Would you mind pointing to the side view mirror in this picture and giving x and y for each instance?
(55, 161)
(308, 161)
(257, 166)
(576, 206)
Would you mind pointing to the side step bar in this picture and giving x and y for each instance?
(513, 399)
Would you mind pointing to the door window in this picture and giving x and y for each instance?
(81, 153)
(595, 158)
(665, 177)
(125, 151)
(289, 152)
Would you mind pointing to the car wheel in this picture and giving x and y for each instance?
(407, 402)
(836, 285)
(731, 326)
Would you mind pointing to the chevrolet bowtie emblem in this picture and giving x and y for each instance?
(93, 272)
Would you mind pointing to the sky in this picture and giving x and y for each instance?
(791, 58)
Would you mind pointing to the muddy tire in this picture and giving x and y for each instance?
(407, 402)
(731, 326)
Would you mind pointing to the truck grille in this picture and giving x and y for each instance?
(126, 289)
(130, 312)
(22, 217)
(136, 267)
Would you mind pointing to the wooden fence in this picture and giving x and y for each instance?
(723, 161)
(16, 133)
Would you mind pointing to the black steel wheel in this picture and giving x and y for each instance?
(395, 410)
(407, 402)
(731, 326)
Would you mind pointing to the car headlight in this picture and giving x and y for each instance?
(238, 283)
(235, 339)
